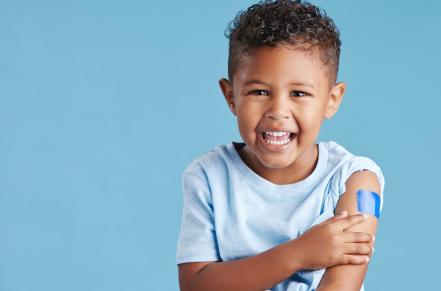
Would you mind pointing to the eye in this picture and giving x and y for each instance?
(302, 94)
(259, 92)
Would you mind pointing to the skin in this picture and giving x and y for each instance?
(348, 277)
(281, 99)
(274, 103)
(300, 108)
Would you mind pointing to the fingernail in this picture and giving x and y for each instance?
(343, 213)
(373, 237)
(367, 259)
(364, 216)
(373, 249)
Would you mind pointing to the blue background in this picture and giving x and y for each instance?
(104, 103)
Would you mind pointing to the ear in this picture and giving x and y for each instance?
(227, 91)
(335, 98)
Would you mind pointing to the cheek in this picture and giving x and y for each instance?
(310, 118)
(247, 123)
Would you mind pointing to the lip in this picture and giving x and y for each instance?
(275, 148)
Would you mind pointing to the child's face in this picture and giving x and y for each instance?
(281, 89)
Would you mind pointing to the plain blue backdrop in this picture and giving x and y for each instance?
(104, 103)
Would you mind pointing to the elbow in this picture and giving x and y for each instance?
(189, 277)
(186, 284)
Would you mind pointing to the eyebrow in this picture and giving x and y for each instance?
(299, 83)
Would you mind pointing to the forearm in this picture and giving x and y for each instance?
(343, 278)
(336, 287)
(254, 273)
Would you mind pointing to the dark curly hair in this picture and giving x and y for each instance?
(297, 23)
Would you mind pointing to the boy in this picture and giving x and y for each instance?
(259, 215)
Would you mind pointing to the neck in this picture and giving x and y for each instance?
(303, 166)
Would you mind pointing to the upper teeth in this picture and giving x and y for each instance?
(277, 133)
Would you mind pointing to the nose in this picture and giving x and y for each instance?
(278, 109)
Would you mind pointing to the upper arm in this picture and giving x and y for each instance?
(188, 271)
(197, 242)
(339, 274)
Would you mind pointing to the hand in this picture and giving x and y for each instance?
(328, 244)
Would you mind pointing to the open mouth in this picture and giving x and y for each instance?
(276, 141)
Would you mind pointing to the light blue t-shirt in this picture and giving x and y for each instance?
(230, 212)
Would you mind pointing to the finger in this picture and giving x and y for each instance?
(354, 259)
(358, 249)
(338, 216)
(350, 221)
(354, 237)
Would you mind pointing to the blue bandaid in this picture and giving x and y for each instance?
(368, 202)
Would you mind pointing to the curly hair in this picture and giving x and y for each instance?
(298, 23)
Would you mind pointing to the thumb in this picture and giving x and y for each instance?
(336, 217)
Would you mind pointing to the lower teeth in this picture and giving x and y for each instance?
(278, 142)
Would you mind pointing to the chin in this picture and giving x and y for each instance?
(274, 163)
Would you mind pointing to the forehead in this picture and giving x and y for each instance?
(281, 65)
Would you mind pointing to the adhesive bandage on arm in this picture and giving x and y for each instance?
(368, 202)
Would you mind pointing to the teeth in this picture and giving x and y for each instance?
(277, 133)
(277, 142)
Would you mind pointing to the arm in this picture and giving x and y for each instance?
(350, 277)
(254, 273)
(197, 238)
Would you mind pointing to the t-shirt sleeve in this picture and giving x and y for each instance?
(197, 235)
(355, 164)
